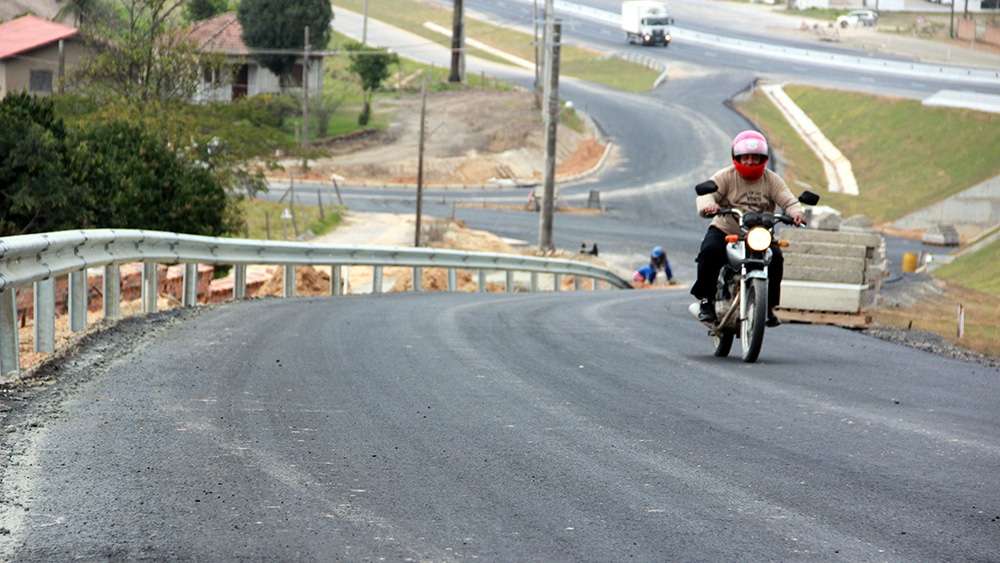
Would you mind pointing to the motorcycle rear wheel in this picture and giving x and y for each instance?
(752, 327)
(723, 343)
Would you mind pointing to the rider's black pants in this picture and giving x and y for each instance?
(712, 258)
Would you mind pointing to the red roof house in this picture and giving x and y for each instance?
(29, 54)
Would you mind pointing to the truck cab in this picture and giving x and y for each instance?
(646, 22)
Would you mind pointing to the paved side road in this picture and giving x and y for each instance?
(574, 426)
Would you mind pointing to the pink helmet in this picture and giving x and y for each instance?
(749, 142)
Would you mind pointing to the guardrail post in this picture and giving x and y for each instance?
(593, 284)
(45, 316)
(577, 283)
(150, 287)
(9, 347)
(112, 292)
(534, 282)
(189, 296)
(78, 300)
(377, 278)
(336, 284)
(556, 282)
(418, 278)
(481, 282)
(288, 282)
(239, 281)
(452, 279)
(510, 281)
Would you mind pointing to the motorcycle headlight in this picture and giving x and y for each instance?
(759, 239)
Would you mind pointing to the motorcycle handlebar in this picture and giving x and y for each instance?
(787, 219)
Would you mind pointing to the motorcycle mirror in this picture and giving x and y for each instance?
(809, 198)
(705, 188)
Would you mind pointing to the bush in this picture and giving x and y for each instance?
(34, 193)
(133, 179)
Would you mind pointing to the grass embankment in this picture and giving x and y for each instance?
(973, 281)
(580, 63)
(905, 156)
(265, 222)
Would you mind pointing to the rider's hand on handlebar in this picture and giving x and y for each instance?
(710, 210)
(799, 219)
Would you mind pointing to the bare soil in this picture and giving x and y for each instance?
(471, 138)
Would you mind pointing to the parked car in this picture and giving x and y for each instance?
(867, 18)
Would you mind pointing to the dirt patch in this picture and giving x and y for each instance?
(472, 137)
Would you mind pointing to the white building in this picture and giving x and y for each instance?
(241, 75)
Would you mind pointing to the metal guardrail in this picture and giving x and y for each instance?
(40, 258)
(807, 56)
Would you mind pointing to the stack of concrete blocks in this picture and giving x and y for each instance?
(832, 271)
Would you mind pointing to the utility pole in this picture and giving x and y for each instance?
(457, 44)
(420, 159)
(305, 101)
(951, 28)
(547, 15)
(364, 26)
(62, 67)
(551, 124)
(538, 81)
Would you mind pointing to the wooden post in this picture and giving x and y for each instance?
(420, 159)
(551, 124)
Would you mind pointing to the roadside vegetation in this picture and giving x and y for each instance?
(267, 220)
(904, 155)
(577, 62)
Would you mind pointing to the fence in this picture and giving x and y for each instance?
(40, 258)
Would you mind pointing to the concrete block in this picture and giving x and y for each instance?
(832, 263)
(827, 249)
(826, 222)
(818, 296)
(944, 235)
(857, 223)
(870, 240)
(821, 274)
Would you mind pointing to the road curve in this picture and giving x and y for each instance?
(573, 426)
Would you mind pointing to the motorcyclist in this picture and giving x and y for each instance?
(657, 261)
(749, 186)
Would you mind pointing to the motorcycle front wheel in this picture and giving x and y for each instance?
(752, 327)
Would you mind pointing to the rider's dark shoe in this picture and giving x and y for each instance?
(706, 312)
(772, 320)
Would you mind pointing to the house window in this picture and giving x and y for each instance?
(296, 76)
(40, 81)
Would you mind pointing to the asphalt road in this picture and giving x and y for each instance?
(553, 427)
(574, 426)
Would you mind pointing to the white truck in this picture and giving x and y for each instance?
(646, 22)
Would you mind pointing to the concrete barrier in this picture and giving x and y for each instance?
(832, 271)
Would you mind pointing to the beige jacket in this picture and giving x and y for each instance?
(761, 195)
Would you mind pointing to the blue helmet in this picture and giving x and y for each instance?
(657, 252)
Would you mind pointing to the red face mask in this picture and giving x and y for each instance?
(750, 172)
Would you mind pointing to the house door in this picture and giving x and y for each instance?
(241, 81)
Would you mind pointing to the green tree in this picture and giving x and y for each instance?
(197, 10)
(372, 67)
(143, 54)
(34, 193)
(280, 24)
(134, 179)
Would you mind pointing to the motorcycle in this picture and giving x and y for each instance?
(741, 292)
